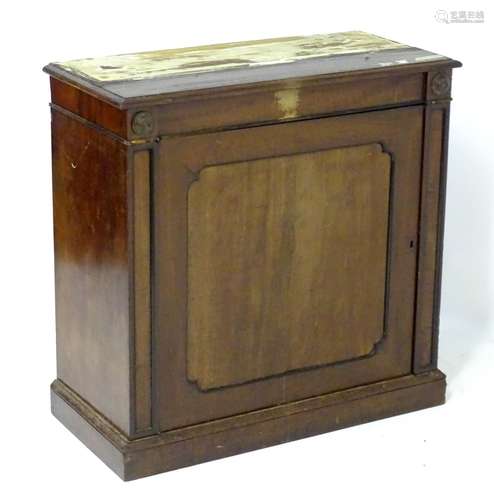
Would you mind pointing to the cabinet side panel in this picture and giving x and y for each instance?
(91, 266)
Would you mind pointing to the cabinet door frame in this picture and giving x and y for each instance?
(180, 160)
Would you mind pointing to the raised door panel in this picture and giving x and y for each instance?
(275, 248)
(284, 260)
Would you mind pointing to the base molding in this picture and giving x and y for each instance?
(132, 459)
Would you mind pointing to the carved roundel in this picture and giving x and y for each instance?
(142, 123)
(440, 84)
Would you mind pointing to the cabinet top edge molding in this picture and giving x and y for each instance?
(128, 79)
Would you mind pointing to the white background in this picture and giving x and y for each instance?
(444, 452)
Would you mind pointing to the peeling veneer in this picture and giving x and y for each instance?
(130, 80)
(226, 56)
(287, 101)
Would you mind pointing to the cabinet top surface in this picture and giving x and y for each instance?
(144, 74)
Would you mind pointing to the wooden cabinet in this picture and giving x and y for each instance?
(247, 247)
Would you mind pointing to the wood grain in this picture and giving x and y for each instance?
(286, 101)
(142, 287)
(92, 266)
(181, 159)
(129, 80)
(431, 223)
(88, 107)
(261, 263)
(275, 249)
(221, 438)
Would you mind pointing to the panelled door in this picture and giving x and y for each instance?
(284, 259)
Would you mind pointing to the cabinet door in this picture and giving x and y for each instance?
(284, 260)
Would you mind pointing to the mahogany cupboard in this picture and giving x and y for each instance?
(248, 243)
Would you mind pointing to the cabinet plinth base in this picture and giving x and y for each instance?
(132, 459)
